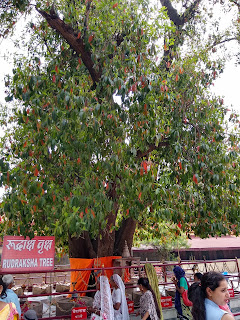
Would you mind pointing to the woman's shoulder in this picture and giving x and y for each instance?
(148, 293)
(227, 316)
(213, 311)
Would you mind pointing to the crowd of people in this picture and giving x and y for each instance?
(206, 299)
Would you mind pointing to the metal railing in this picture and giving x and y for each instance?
(164, 273)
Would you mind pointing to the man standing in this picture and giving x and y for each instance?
(10, 294)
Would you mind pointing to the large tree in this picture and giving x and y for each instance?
(113, 125)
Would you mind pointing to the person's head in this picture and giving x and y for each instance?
(178, 272)
(212, 286)
(8, 280)
(30, 315)
(3, 288)
(143, 284)
(198, 277)
(116, 281)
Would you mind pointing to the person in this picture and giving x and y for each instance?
(102, 303)
(149, 309)
(181, 284)
(118, 298)
(197, 277)
(30, 314)
(151, 275)
(10, 294)
(8, 311)
(208, 295)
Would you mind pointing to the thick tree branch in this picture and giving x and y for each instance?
(72, 38)
(88, 6)
(177, 19)
(172, 13)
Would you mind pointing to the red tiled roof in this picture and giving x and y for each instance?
(224, 242)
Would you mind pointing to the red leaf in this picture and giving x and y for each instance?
(195, 179)
(25, 144)
(115, 5)
(54, 78)
(145, 166)
(176, 77)
(127, 212)
(81, 214)
(92, 212)
(139, 196)
(36, 172)
(90, 39)
(56, 69)
(79, 35)
(145, 109)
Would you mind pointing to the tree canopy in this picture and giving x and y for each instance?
(114, 125)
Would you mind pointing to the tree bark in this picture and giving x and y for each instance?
(125, 233)
(75, 42)
(81, 247)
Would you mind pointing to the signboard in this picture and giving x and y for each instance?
(130, 306)
(79, 313)
(166, 302)
(231, 293)
(25, 254)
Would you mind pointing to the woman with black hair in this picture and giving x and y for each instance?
(149, 309)
(207, 297)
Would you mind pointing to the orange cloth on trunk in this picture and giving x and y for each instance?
(82, 277)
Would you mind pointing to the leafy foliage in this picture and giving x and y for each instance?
(117, 124)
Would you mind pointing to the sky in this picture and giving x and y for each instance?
(228, 86)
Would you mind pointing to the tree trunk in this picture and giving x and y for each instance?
(81, 247)
(107, 243)
(125, 233)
